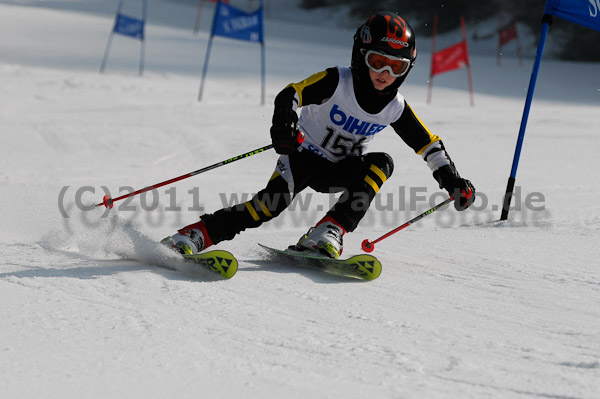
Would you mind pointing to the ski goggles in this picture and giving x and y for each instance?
(379, 62)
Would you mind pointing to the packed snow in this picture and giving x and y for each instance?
(467, 306)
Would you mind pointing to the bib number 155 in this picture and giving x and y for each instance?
(341, 146)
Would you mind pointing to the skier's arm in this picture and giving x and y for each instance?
(312, 90)
(414, 133)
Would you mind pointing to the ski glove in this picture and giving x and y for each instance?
(460, 190)
(284, 131)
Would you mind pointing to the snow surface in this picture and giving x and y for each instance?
(466, 307)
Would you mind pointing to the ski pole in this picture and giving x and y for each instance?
(369, 246)
(107, 201)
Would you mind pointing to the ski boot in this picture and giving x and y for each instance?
(190, 240)
(327, 237)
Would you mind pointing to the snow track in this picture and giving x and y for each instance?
(466, 306)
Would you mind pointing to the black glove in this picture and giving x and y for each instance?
(284, 131)
(461, 190)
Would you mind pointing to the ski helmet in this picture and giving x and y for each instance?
(384, 32)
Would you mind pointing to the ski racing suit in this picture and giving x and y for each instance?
(339, 119)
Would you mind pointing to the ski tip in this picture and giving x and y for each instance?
(374, 275)
(217, 261)
(228, 270)
(368, 266)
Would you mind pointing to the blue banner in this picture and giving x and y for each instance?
(129, 26)
(238, 24)
(581, 12)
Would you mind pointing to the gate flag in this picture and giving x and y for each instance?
(129, 26)
(507, 34)
(449, 59)
(580, 12)
(238, 24)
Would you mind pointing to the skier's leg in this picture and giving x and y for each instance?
(224, 224)
(267, 204)
(363, 178)
(359, 179)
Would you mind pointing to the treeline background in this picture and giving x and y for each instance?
(573, 42)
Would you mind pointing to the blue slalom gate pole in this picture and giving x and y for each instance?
(546, 21)
(110, 38)
(205, 68)
(262, 58)
(262, 73)
(143, 44)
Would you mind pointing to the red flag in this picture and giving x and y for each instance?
(453, 57)
(507, 34)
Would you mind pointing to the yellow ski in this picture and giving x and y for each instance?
(364, 267)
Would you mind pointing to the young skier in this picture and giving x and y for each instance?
(342, 110)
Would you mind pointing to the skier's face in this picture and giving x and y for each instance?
(381, 80)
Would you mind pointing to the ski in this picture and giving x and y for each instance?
(217, 261)
(364, 267)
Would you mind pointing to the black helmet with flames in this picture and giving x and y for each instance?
(387, 33)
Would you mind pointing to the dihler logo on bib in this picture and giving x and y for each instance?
(353, 125)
